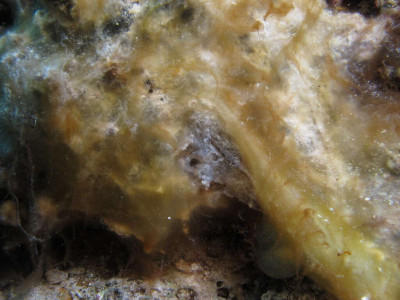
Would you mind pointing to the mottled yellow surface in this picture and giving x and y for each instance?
(276, 78)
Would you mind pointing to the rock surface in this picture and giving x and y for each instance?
(55, 276)
(139, 114)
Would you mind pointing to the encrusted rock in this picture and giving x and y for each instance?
(55, 276)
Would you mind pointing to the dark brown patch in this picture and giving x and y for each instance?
(368, 8)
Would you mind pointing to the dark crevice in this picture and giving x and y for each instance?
(86, 243)
(368, 8)
(8, 13)
(16, 255)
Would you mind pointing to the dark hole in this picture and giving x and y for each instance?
(21, 256)
(3, 193)
(15, 258)
(187, 15)
(7, 14)
(41, 180)
(279, 286)
(223, 292)
(220, 283)
(224, 225)
(149, 85)
(194, 162)
(248, 287)
(89, 242)
(58, 247)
